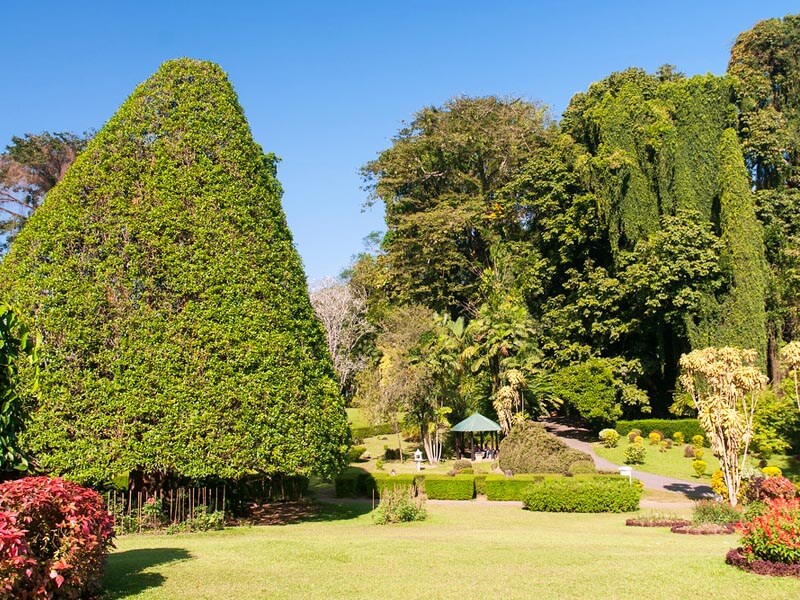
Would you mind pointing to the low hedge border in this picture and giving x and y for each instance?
(688, 427)
(359, 433)
(583, 495)
(737, 558)
(447, 487)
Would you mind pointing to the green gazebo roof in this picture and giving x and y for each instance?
(476, 422)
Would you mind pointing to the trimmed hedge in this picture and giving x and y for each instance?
(403, 481)
(583, 494)
(480, 485)
(688, 427)
(447, 487)
(500, 487)
(359, 433)
(354, 483)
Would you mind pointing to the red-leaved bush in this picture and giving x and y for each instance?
(54, 539)
(768, 488)
(774, 535)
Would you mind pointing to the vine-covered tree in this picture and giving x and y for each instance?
(178, 332)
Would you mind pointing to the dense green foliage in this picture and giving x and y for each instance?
(598, 494)
(529, 448)
(447, 487)
(500, 487)
(15, 343)
(178, 333)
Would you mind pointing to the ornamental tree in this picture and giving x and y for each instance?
(178, 332)
(725, 385)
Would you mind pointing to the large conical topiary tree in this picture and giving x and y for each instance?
(178, 332)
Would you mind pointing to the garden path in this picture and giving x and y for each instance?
(580, 439)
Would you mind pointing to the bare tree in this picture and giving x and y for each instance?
(342, 309)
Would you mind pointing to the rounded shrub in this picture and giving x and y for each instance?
(398, 505)
(699, 467)
(654, 437)
(698, 453)
(633, 434)
(54, 539)
(770, 471)
(698, 441)
(634, 454)
(688, 451)
(609, 437)
(677, 437)
(529, 448)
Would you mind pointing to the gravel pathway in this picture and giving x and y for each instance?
(579, 439)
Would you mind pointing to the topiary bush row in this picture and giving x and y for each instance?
(357, 483)
(583, 494)
(54, 539)
(667, 427)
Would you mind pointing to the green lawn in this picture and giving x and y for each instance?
(671, 463)
(464, 550)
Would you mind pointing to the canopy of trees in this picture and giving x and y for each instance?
(586, 256)
(178, 335)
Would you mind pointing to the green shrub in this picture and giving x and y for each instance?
(379, 464)
(354, 483)
(638, 440)
(582, 467)
(654, 437)
(589, 495)
(354, 453)
(678, 438)
(384, 482)
(633, 434)
(698, 440)
(529, 448)
(398, 505)
(718, 513)
(500, 487)
(462, 464)
(609, 437)
(446, 487)
(699, 467)
(698, 452)
(770, 471)
(665, 445)
(667, 427)
(480, 485)
(202, 520)
(635, 453)
(391, 453)
(371, 431)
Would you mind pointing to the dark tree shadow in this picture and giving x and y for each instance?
(288, 513)
(569, 428)
(124, 576)
(695, 492)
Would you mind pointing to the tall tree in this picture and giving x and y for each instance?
(440, 184)
(29, 168)
(178, 332)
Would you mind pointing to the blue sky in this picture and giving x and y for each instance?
(325, 85)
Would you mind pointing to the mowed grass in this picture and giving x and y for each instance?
(463, 550)
(671, 463)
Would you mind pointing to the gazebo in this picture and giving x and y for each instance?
(476, 422)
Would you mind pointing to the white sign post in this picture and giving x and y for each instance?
(627, 472)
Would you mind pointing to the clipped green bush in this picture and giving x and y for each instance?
(354, 453)
(586, 495)
(359, 433)
(609, 437)
(699, 467)
(354, 483)
(667, 427)
(584, 467)
(161, 273)
(406, 481)
(634, 454)
(480, 485)
(447, 487)
(500, 487)
(678, 437)
(529, 448)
